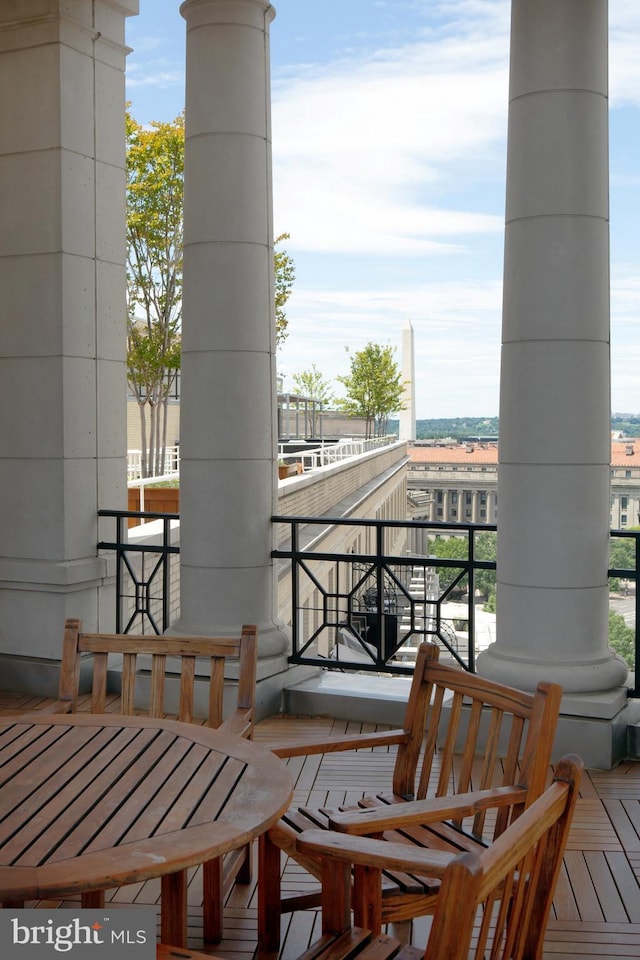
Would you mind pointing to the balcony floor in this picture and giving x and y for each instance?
(597, 905)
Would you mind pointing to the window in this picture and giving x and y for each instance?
(624, 503)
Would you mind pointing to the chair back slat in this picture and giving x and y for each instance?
(156, 693)
(216, 692)
(187, 685)
(128, 692)
(99, 689)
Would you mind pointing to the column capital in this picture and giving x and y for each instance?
(248, 12)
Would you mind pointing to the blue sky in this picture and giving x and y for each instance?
(389, 151)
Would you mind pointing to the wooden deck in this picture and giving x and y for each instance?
(597, 906)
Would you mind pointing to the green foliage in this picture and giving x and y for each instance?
(457, 548)
(622, 639)
(458, 428)
(374, 389)
(622, 556)
(629, 424)
(449, 548)
(311, 383)
(284, 275)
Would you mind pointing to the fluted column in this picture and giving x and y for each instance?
(62, 320)
(552, 598)
(228, 401)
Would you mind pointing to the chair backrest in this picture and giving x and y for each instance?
(183, 653)
(496, 903)
(468, 733)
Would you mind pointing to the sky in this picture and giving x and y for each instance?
(389, 153)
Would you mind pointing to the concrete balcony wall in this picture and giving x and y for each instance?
(318, 493)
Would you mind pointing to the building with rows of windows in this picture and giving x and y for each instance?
(458, 482)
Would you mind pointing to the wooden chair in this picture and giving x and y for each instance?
(182, 653)
(461, 733)
(493, 903)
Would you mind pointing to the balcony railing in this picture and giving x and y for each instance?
(367, 604)
(359, 594)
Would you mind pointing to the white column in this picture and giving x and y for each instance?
(407, 427)
(552, 599)
(228, 402)
(62, 316)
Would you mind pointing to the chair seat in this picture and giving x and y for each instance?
(436, 836)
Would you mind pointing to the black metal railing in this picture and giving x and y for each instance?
(363, 608)
(369, 608)
(143, 588)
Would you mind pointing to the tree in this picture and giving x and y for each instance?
(622, 556)
(155, 176)
(284, 275)
(374, 388)
(310, 383)
(622, 639)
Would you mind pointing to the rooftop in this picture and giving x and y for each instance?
(624, 453)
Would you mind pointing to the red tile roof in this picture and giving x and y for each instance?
(624, 453)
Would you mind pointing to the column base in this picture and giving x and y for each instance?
(601, 741)
(608, 673)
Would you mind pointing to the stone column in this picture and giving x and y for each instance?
(228, 402)
(553, 535)
(62, 320)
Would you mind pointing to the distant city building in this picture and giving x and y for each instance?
(458, 482)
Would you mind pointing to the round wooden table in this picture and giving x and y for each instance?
(89, 802)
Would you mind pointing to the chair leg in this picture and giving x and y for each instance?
(367, 898)
(93, 899)
(269, 894)
(173, 908)
(212, 900)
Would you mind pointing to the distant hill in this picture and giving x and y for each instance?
(457, 427)
(460, 428)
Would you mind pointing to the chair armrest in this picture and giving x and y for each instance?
(239, 723)
(380, 854)
(304, 748)
(415, 812)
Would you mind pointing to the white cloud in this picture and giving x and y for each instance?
(367, 149)
(155, 73)
(624, 63)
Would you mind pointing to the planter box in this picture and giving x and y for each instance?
(288, 470)
(156, 500)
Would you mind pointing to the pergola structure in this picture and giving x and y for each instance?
(62, 337)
